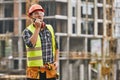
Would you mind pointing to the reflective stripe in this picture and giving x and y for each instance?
(34, 63)
(33, 49)
(34, 58)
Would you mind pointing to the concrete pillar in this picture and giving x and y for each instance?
(89, 71)
(20, 44)
(95, 19)
(69, 17)
(81, 72)
(99, 71)
(78, 12)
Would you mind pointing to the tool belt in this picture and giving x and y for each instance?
(49, 69)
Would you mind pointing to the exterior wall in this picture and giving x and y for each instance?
(78, 24)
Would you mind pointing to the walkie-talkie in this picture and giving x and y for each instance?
(42, 25)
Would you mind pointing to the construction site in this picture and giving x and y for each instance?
(87, 32)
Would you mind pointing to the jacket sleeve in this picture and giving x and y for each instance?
(26, 37)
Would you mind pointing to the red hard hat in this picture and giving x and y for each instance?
(35, 7)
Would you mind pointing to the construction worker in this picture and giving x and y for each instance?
(41, 47)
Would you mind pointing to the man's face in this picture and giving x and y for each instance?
(38, 15)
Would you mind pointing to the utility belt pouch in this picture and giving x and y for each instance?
(51, 71)
(32, 73)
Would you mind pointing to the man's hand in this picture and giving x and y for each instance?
(37, 23)
(56, 65)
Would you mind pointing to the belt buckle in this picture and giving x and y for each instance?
(42, 69)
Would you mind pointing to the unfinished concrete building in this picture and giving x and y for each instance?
(85, 31)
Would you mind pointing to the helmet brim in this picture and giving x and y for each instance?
(42, 10)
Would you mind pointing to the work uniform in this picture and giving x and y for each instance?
(46, 41)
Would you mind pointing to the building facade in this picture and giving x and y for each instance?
(85, 31)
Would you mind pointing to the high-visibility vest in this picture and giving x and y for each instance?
(34, 55)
